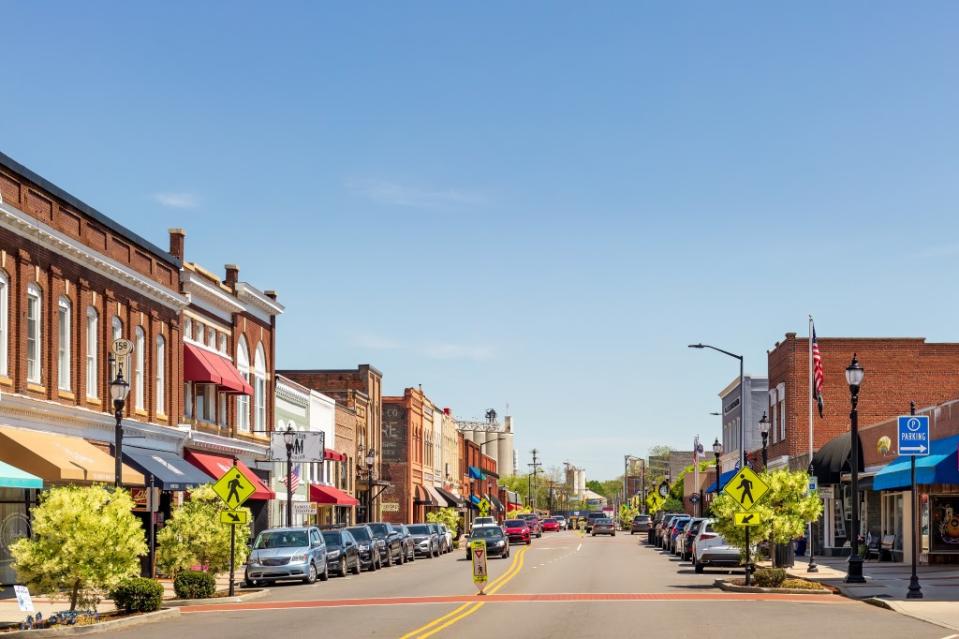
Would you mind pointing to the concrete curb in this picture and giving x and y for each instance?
(247, 596)
(894, 607)
(722, 584)
(104, 626)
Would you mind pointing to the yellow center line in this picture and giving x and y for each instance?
(467, 609)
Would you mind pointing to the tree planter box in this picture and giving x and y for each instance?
(729, 586)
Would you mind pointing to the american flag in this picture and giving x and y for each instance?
(817, 372)
(294, 478)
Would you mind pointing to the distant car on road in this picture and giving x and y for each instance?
(591, 518)
(496, 541)
(640, 523)
(517, 530)
(551, 524)
(287, 553)
(484, 521)
(604, 526)
(561, 520)
(535, 526)
(447, 536)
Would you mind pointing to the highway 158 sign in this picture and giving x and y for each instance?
(914, 435)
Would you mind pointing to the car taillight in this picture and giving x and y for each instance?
(706, 536)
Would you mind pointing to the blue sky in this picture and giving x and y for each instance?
(532, 203)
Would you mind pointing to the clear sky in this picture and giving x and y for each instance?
(533, 203)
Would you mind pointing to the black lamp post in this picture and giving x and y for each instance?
(370, 460)
(742, 402)
(289, 436)
(764, 431)
(854, 375)
(717, 451)
(119, 388)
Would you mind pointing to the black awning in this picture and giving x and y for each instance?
(832, 460)
(453, 500)
(170, 471)
(497, 503)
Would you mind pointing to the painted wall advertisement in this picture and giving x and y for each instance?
(944, 527)
(394, 434)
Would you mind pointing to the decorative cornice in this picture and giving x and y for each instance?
(249, 295)
(25, 226)
(290, 394)
(196, 286)
(220, 444)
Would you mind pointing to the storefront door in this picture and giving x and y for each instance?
(892, 516)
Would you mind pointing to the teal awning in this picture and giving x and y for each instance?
(475, 473)
(939, 467)
(11, 477)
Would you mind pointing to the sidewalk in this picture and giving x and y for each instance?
(10, 612)
(887, 584)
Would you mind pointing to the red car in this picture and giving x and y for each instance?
(517, 531)
(550, 524)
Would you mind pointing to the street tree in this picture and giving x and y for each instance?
(85, 541)
(450, 517)
(194, 536)
(784, 511)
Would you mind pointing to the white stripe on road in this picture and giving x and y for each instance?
(579, 546)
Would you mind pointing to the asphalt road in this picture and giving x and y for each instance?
(561, 586)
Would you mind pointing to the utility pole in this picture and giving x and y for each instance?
(532, 481)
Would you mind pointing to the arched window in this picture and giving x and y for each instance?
(160, 388)
(64, 335)
(259, 388)
(34, 334)
(138, 381)
(4, 306)
(93, 322)
(243, 401)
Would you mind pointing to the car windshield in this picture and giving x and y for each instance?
(641, 518)
(515, 523)
(333, 539)
(361, 534)
(604, 521)
(419, 529)
(282, 539)
(681, 524)
(380, 530)
(487, 532)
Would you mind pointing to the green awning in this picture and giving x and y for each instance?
(11, 477)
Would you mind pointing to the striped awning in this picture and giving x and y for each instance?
(421, 496)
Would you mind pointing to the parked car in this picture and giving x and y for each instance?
(444, 548)
(369, 546)
(670, 529)
(604, 526)
(679, 525)
(342, 552)
(640, 523)
(287, 553)
(662, 522)
(484, 521)
(409, 546)
(392, 549)
(551, 524)
(710, 550)
(518, 531)
(496, 541)
(427, 542)
(447, 536)
(591, 518)
(684, 542)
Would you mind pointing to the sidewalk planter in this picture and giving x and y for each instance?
(194, 584)
(729, 586)
(103, 626)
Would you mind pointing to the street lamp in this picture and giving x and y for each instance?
(717, 451)
(289, 436)
(370, 460)
(854, 375)
(742, 400)
(764, 431)
(119, 388)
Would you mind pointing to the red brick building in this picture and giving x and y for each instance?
(898, 370)
(480, 478)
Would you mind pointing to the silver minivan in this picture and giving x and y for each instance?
(287, 553)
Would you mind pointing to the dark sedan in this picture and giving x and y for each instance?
(406, 538)
(370, 548)
(342, 552)
(640, 523)
(497, 544)
(392, 549)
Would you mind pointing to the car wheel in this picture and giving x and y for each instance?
(356, 567)
(310, 574)
(325, 575)
(529, 541)
(341, 571)
(612, 534)
(249, 583)
(389, 558)
(436, 553)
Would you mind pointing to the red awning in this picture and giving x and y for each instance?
(205, 367)
(330, 495)
(216, 465)
(332, 455)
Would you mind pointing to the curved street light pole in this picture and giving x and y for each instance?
(742, 400)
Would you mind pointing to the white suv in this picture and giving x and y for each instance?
(710, 549)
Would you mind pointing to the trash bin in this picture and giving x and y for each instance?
(801, 547)
(784, 556)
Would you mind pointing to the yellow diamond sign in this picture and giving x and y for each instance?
(746, 488)
(234, 488)
(747, 519)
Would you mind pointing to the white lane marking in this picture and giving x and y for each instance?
(579, 546)
(951, 637)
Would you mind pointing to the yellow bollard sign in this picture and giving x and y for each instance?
(480, 574)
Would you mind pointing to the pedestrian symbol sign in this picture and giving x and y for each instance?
(234, 517)
(914, 435)
(234, 488)
(746, 488)
(484, 506)
(747, 519)
(478, 554)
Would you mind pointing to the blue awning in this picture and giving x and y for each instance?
(724, 478)
(475, 500)
(13, 477)
(171, 471)
(476, 473)
(939, 467)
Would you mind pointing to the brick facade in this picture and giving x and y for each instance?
(403, 454)
(898, 370)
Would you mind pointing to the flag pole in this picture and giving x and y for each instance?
(809, 546)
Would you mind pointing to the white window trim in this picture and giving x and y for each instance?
(139, 365)
(243, 401)
(34, 293)
(160, 384)
(64, 351)
(92, 340)
(259, 388)
(4, 335)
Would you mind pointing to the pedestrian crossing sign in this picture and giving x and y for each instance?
(234, 517)
(746, 488)
(747, 519)
(478, 555)
(484, 506)
(234, 488)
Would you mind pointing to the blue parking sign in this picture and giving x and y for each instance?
(914, 435)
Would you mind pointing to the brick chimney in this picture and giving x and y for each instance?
(177, 240)
(232, 275)
(271, 294)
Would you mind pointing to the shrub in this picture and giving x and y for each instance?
(193, 584)
(769, 577)
(801, 584)
(138, 594)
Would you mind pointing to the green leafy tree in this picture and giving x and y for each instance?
(784, 510)
(86, 540)
(449, 517)
(194, 536)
